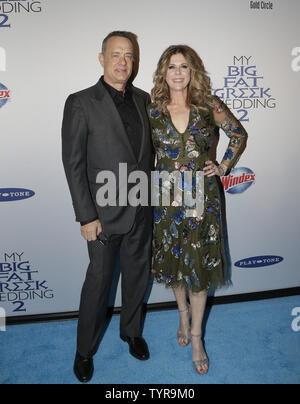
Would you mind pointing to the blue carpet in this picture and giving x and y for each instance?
(246, 342)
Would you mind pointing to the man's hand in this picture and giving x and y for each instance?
(91, 231)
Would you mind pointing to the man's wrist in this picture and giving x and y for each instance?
(88, 221)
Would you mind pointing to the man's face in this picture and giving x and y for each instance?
(117, 62)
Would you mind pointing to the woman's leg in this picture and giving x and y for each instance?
(198, 304)
(184, 329)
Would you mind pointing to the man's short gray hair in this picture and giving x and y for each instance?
(123, 34)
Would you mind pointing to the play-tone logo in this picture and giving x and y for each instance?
(15, 194)
(258, 262)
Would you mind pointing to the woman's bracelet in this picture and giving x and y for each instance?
(223, 169)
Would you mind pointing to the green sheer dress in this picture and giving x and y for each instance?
(189, 251)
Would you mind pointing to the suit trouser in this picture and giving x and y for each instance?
(135, 260)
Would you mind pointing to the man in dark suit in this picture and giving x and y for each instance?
(105, 126)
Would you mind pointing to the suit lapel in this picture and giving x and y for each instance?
(140, 106)
(107, 104)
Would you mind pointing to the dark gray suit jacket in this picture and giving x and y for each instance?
(94, 139)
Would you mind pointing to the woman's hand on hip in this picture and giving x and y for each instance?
(212, 169)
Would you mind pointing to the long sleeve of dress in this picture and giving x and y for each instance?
(233, 129)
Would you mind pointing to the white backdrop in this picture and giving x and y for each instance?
(50, 50)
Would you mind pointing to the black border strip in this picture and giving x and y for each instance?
(245, 297)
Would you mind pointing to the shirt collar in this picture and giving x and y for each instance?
(115, 93)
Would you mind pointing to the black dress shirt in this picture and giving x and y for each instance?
(129, 116)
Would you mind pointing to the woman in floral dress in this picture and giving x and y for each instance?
(188, 250)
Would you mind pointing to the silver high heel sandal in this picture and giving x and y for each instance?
(186, 338)
(203, 362)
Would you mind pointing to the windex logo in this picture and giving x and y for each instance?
(4, 95)
(239, 180)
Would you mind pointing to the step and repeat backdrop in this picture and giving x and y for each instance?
(49, 49)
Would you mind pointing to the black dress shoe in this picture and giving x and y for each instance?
(137, 347)
(83, 368)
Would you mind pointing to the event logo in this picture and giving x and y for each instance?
(15, 194)
(18, 283)
(296, 61)
(239, 180)
(243, 88)
(261, 5)
(260, 261)
(4, 95)
(7, 8)
(2, 60)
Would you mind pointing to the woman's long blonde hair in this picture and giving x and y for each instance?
(199, 90)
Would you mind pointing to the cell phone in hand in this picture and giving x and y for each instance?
(103, 239)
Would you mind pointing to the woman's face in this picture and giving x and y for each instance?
(178, 73)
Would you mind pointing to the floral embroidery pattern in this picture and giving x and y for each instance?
(190, 251)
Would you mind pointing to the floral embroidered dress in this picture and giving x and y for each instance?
(189, 251)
